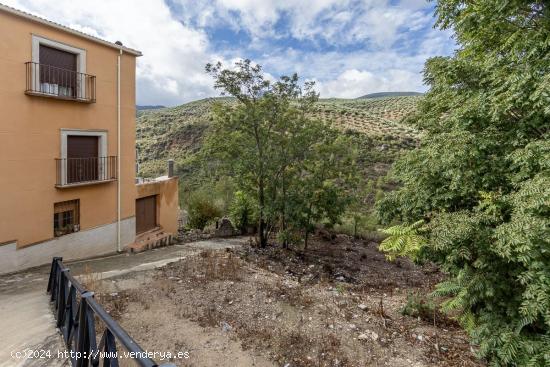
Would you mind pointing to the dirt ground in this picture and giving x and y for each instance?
(338, 304)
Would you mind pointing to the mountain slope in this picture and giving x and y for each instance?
(375, 124)
(389, 94)
(147, 107)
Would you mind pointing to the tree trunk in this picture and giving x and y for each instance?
(306, 237)
(283, 214)
(262, 226)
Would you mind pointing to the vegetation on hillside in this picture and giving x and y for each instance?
(375, 127)
(177, 132)
(389, 94)
(475, 197)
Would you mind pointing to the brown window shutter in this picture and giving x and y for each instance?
(59, 68)
(82, 158)
(54, 57)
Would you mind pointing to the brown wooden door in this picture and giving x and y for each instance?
(82, 158)
(146, 213)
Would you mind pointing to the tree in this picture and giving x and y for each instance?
(324, 181)
(480, 182)
(244, 134)
(297, 169)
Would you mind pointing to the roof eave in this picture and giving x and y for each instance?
(49, 23)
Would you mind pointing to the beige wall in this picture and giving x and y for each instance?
(166, 190)
(30, 136)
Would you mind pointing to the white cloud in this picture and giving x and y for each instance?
(343, 21)
(172, 68)
(354, 83)
(176, 42)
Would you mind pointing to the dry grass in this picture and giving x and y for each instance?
(293, 295)
(211, 266)
(339, 304)
(92, 281)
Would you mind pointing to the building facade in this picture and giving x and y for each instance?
(67, 145)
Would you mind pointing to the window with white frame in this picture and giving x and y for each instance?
(83, 163)
(58, 68)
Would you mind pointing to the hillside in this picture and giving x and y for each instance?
(147, 107)
(376, 125)
(389, 94)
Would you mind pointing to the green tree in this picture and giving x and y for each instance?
(324, 182)
(248, 137)
(296, 168)
(481, 180)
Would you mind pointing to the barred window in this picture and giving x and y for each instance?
(66, 217)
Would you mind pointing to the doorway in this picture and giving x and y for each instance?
(146, 214)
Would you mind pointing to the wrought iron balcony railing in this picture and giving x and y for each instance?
(84, 171)
(51, 81)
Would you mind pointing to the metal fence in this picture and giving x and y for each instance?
(76, 311)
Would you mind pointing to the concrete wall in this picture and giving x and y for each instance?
(96, 241)
(166, 190)
(30, 131)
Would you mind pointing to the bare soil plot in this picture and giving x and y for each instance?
(338, 304)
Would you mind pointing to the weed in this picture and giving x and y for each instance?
(91, 281)
(418, 305)
(210, 265)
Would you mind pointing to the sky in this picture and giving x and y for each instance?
(348, 47)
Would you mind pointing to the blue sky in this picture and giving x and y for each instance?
(349, 47)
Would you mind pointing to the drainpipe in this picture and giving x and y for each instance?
(118, 244)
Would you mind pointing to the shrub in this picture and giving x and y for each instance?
(479, 184)
(242, 212)
(202, 209)
(418, 306)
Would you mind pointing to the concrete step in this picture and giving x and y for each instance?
(150, 240)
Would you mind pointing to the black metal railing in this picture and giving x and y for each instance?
(74, 171)
(51, 81)
(76, 310)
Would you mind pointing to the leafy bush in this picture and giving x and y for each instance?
(403, 241)
(202, 209)
(480, 182)
(242, 212)
(299, 170)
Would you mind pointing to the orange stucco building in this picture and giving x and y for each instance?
(67, 146)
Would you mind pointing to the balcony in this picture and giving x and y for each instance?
(51, 81)
(72, 172)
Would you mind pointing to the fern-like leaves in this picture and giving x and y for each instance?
(403, 241)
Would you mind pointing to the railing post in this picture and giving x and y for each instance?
(53, 276)
(52, 271)
(83, 340)
(61, 299)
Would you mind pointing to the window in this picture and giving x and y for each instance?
(83, 162)
(66, 217)
(59, 70)
(58, 73)
(84, 158)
